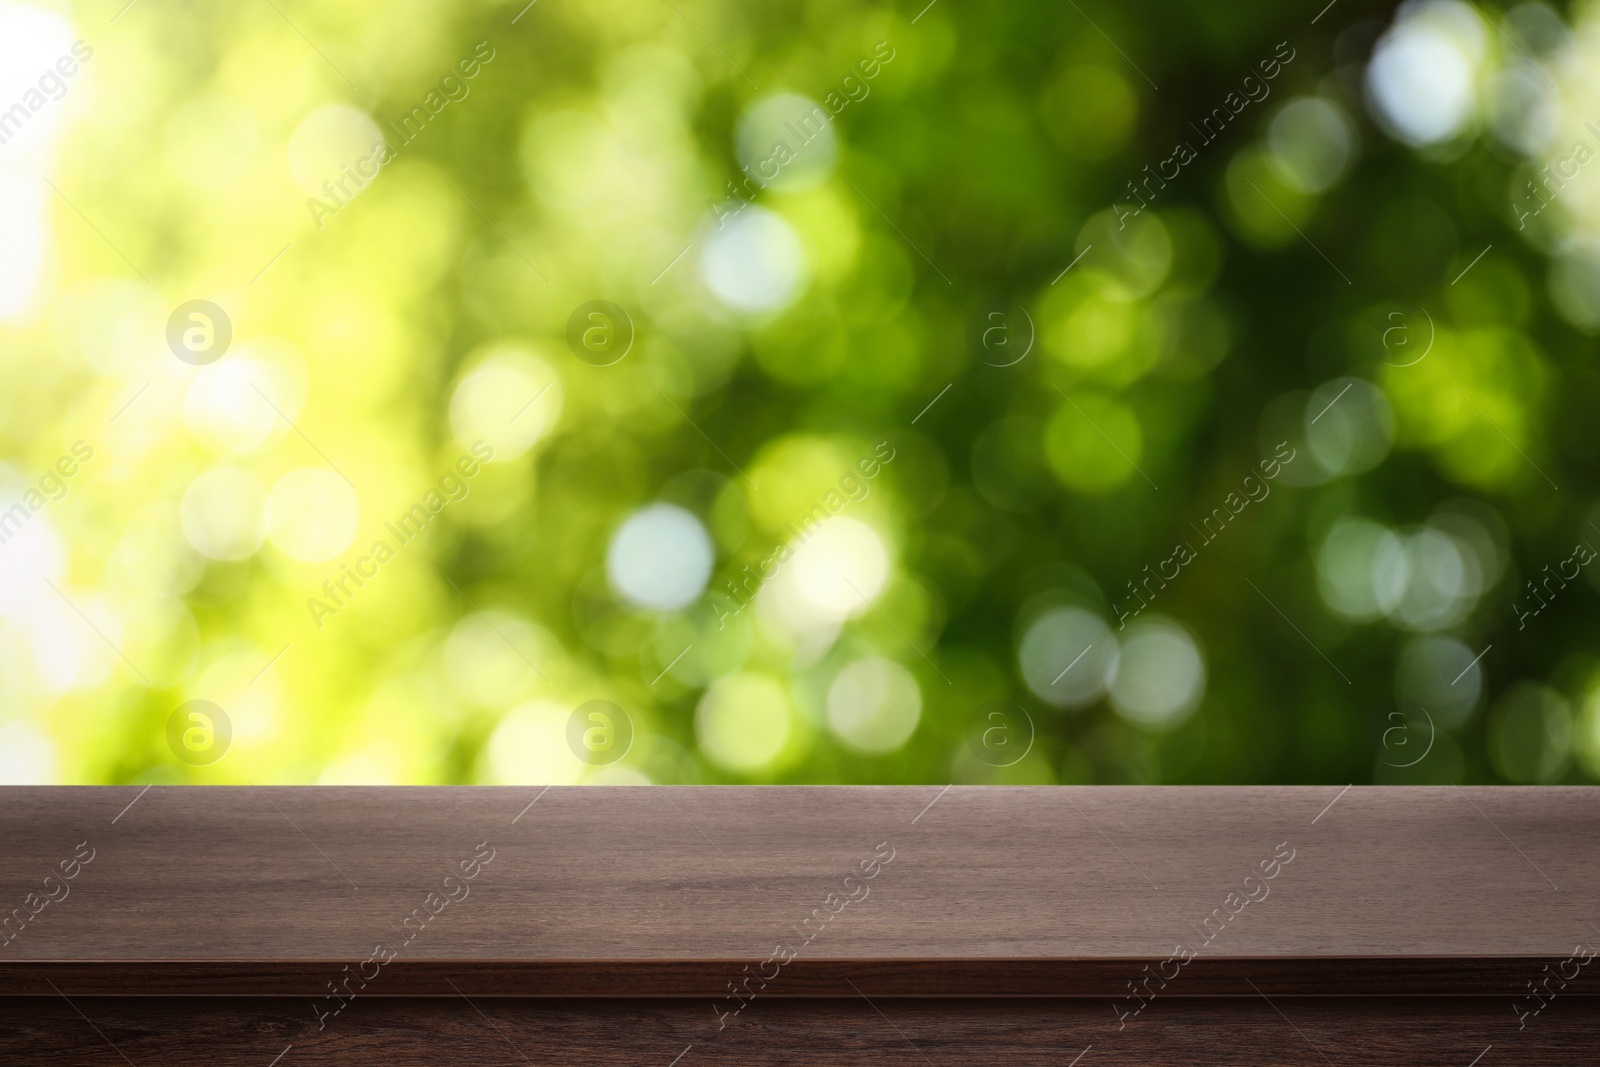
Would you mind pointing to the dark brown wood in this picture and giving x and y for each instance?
(1010, 1032)
(1319, 976)
(627, 892)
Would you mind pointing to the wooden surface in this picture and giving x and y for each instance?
(468, 1032)
(652, 891)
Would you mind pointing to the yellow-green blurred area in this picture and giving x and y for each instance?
(688, 391)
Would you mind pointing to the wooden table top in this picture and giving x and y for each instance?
(661, 890)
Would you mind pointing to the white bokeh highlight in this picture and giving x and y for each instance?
(874, 705)
(754, 262)
(222, 513)
(1421, 81)
(1068, 657)
(841, 569)
(510, 399)
(1161, 677)
(660, 558)
(312, 514)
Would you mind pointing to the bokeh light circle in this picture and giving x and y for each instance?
(787, 142)
(1349, 426)
(528, 747)
(1361, 568)
(243, 404)
(753, 262)
(744, 722)
(1442, 582)
(1161, 676)
(510, 399)
(1439, 673)
(660, 558)
(493, 658)
(874, 705)
(222, 513)
(1421, 77)
(327, 146)
(1068, 657)
(1312, 140)
(1530, 734)
(841, 568)
(312, 514)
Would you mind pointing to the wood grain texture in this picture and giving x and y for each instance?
(672, 891)
(1297, 976)
(1183, 1032)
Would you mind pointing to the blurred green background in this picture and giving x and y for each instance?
(940, 417)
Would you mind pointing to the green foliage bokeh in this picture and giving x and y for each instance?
(1069, 381)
